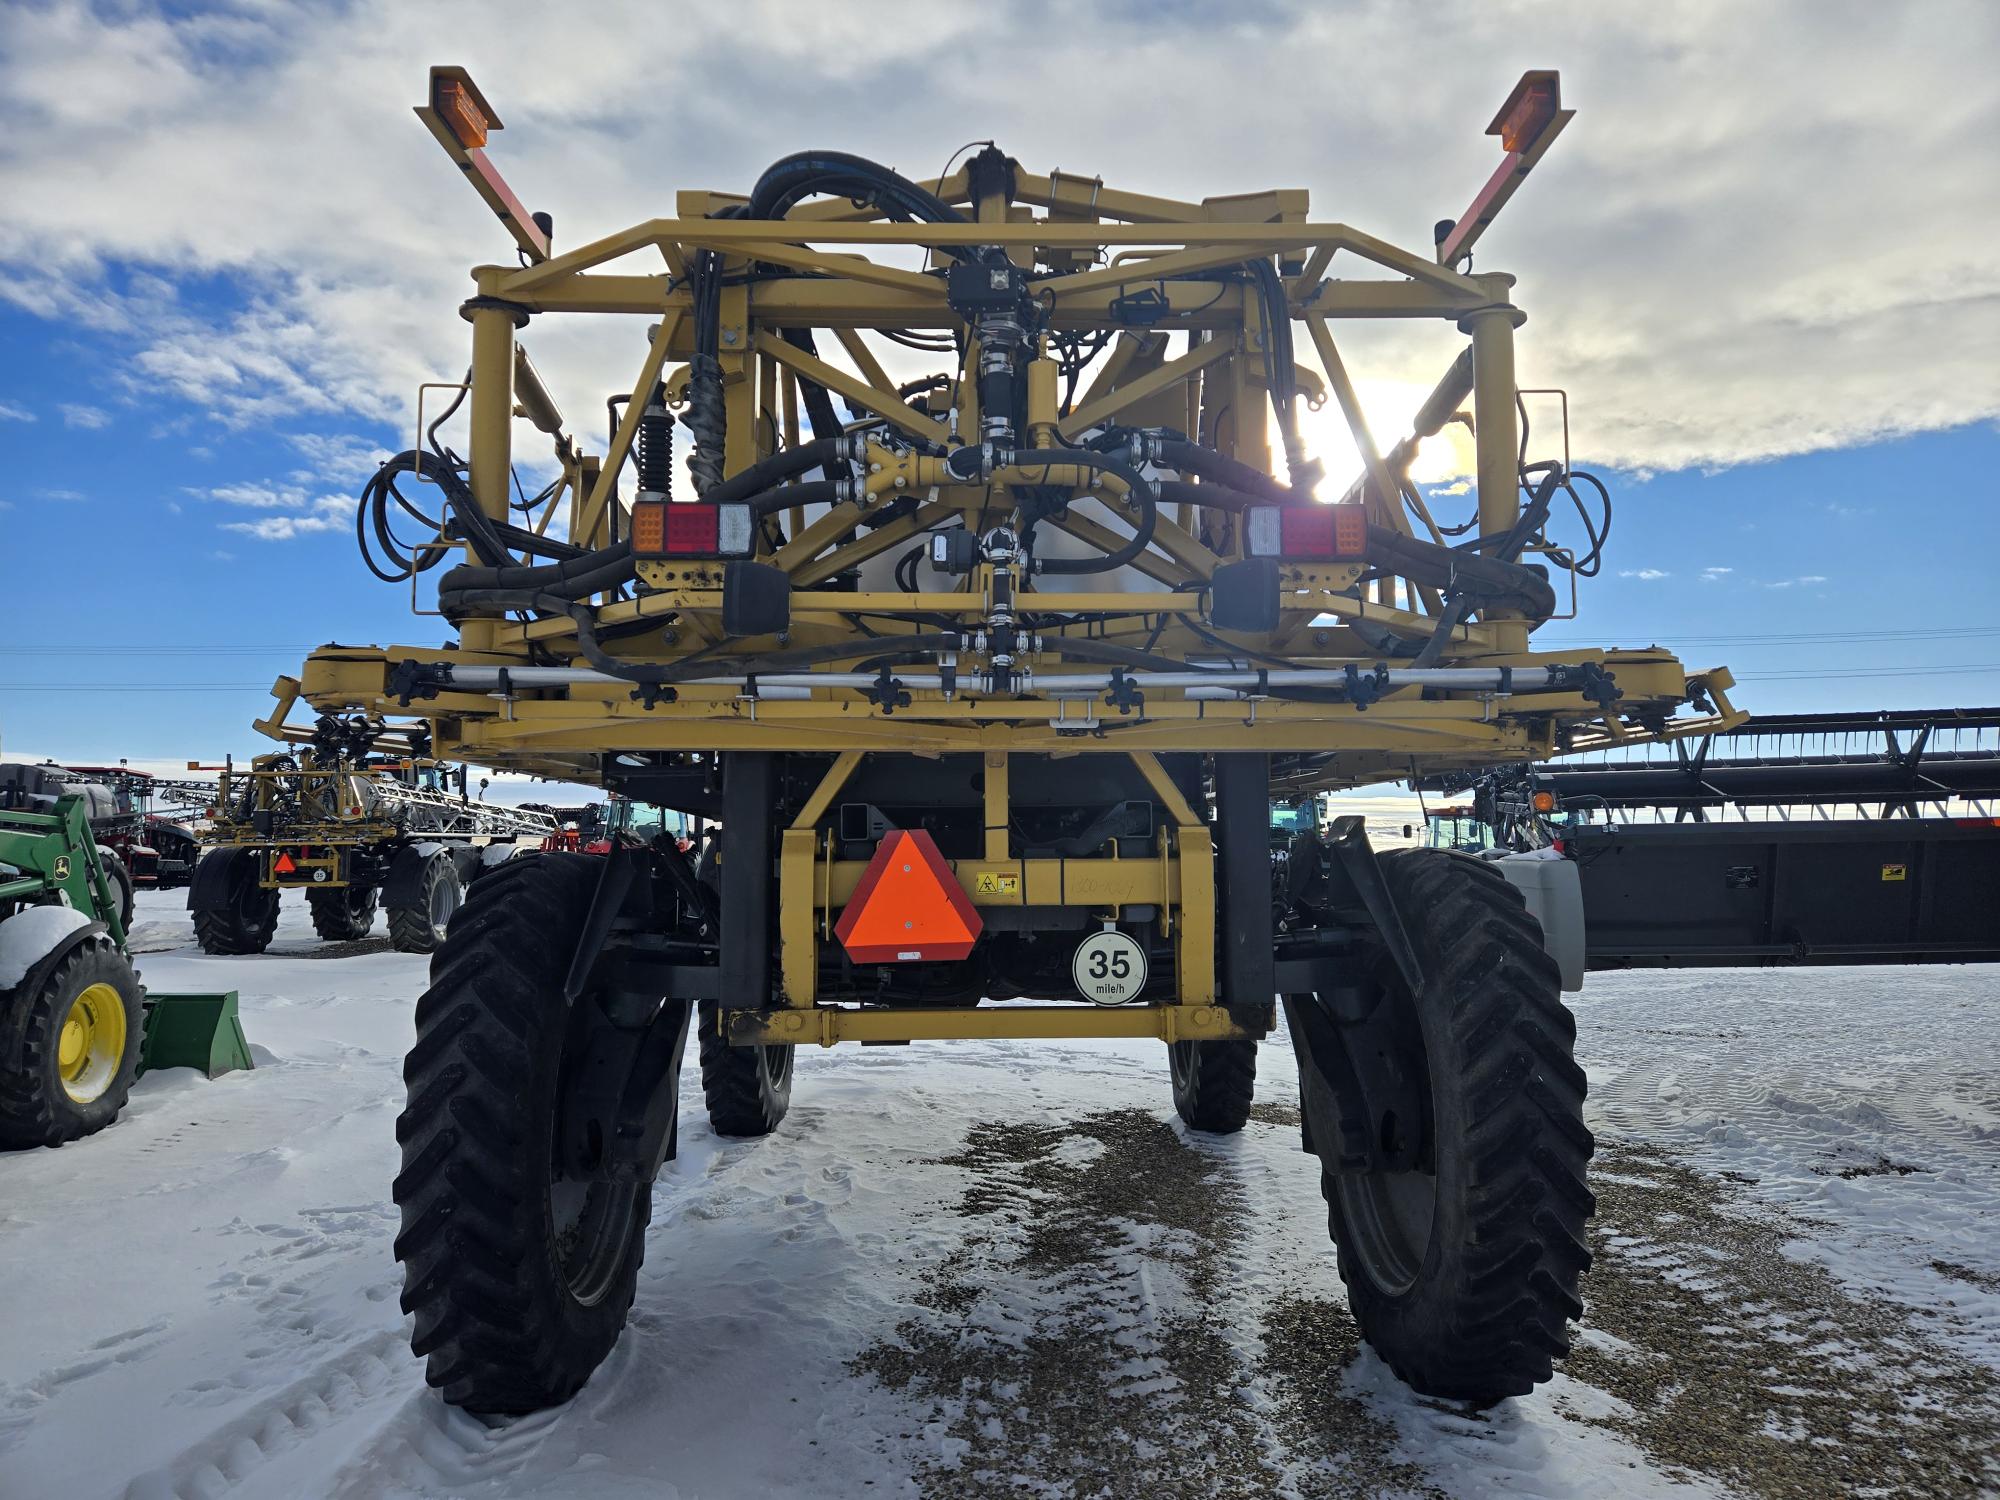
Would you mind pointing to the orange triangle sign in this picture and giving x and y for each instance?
(909, 907)
(283, 864)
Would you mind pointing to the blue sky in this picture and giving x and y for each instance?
(208, 325)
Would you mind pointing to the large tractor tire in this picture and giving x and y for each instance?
(420, 926)
(747, 1089)
(344, 913)
(248, 916)
(121, 883)
(69, 1045)
(519, 1281)
(1464, 1277)
(1214, 1084)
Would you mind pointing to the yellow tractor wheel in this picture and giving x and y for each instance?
(69, 1046)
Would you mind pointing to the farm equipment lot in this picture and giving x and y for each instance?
(945, 1275)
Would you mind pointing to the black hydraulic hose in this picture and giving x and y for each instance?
(1485, 581)
(782, 185)
(791, 179)
(807, 492)
(1533, 514)
(373, 513)
(1215, 496)
(774, 470)
(572, 577)
(1194, 458)
(1087, 648)
(1139, 490)
(820, 415)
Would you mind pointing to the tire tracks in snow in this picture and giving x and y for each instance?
(1092, 1339)
(230, 1455)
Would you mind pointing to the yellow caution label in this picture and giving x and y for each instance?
(991, 883)
(1895, 872)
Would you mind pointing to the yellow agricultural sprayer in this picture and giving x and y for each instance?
(999, 592)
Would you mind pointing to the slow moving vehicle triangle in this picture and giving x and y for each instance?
(909, 907)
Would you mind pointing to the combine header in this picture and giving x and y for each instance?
(353, 829)
(1000, 580)
(1851, 838)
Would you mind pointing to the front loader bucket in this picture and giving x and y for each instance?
(194, 1031)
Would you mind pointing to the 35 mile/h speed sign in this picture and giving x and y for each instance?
(1109, 967)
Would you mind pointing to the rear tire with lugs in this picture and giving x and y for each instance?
(1214, 1084)
(747, 1089)
(420, 926)
(249, 916)
(519, 1282)
(1465, 1279)
(343, 914)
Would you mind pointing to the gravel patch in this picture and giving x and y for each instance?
(1741, 1362)
(1087, 1344)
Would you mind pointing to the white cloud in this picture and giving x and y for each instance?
(9, 412)
(1786, 583)
(1715, 575)
(1671, 250)
(87, 417)
(291, 512)
(64, 497)
(1647, 574)
(256, 496)
(337, 456)
(328, 513)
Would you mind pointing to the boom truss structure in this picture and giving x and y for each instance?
(1105, 560)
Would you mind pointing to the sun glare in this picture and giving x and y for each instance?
(1390, 406)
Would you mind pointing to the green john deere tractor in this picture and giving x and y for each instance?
(76, 1026)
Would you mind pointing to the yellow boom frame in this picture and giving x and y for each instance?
(834, 267)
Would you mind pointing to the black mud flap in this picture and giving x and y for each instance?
(1353, 1020)
(621, 1092)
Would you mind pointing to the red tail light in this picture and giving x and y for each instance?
(661, 529)
(1307, 532)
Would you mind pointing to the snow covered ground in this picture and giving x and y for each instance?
(973, 1269)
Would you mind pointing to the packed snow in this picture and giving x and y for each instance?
(983, 1268)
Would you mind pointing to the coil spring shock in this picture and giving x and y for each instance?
(706, 422)
(656, 450)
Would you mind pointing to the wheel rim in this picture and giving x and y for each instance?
(444, 901)
(1390, 1216)
(589, 1224)
(90, 1044)
(777, 1063)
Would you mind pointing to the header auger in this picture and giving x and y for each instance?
(987, 678)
